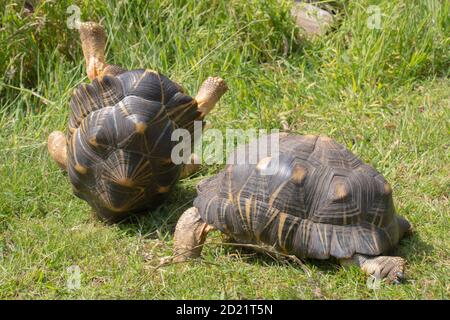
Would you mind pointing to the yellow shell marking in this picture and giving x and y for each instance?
(281, 222)
(163, 189)
(263, 163)
(298, 174)
(126, 182)
(248, 203)
(340, 191)
(93, 141)
(80, 169)
(140, 127)
(230, 194)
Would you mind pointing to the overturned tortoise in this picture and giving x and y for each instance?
(320, 201)
(117, 150)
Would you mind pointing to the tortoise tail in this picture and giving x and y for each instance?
(405, 228)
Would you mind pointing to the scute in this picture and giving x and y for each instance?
(86, 98)
(321, 201)
(149, 85)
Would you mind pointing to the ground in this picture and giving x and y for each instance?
(382, 90)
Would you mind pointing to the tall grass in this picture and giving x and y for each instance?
(177, 37)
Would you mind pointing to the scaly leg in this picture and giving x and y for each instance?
(209, 94)
(93, 43)
(207, 97)
(57, 147)
(381, 267)
(190, 234)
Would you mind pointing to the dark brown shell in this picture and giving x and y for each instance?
(119, 140)
(321, 201)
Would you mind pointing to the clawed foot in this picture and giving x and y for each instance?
(57, 147)
(384, 267)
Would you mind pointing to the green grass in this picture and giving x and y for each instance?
(383, 93)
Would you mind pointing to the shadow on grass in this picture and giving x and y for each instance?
(412, 248)
(254, 257)
(163, 219)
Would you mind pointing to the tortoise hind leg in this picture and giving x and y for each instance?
(209, 94)
(93, 43)
(190, 234)
(380, 267)
(57, 147)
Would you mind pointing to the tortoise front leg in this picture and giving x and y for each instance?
(381, 267)
(57, 147)
(93, 43)
(190, 235)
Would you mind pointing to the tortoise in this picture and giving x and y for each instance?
(320, 201)
(117, 150)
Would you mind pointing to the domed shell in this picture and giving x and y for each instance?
(119, 140)
(320, 201)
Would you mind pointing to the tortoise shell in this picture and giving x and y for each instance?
(320, 201)
(119, 140)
